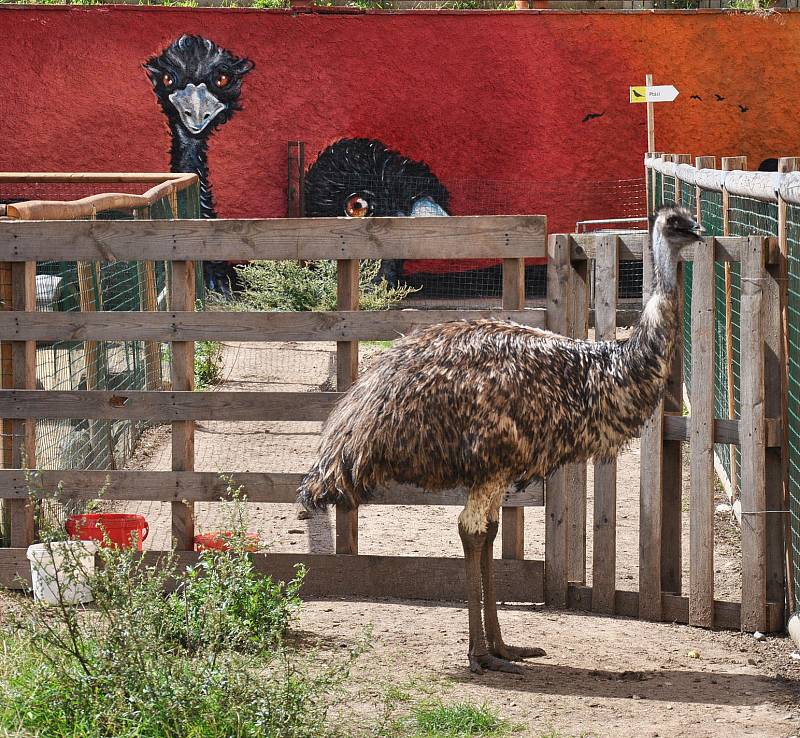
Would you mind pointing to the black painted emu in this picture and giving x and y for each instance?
(489, 404)
(362, 177)
(198, 85)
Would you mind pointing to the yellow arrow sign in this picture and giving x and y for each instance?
(638, 94)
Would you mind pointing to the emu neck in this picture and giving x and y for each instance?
(190, 154)
(665, 265)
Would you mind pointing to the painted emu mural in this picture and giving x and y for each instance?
(198, 85)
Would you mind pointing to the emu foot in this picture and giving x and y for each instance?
(517, 653)
(479, 663)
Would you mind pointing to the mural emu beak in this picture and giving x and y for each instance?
(196, 106)
(426, 206)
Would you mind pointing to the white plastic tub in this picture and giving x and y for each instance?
(64, 566)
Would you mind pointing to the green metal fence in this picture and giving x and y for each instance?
(107, 365)
(745, 216)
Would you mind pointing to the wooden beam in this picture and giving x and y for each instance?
(238, 326)
(676, 428)
(513, 518)
(604, 556)
(457, 237)
(701, 505)
(169, 486)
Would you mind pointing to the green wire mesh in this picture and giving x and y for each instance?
(793, 234)
(117, 365)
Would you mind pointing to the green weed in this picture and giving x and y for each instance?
(207, 364)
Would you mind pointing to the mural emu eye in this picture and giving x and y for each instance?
(357, 206)
(167, 80)
(222, 79)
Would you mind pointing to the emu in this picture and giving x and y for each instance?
(488, 405)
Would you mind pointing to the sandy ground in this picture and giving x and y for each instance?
(602, 676)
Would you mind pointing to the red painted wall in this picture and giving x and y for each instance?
(495, 97)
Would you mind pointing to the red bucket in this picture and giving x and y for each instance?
(115, 529)
(219, 540)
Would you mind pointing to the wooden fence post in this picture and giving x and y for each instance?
(650, 484)
(347, 298)
(23, 432)
(652, 183)
(149, 302)
(680, 159)
(752, 439)
(604, 561)
(701, 440)
(702, 162)
(182, 375)
(6, 382)
(559, 284)
(513, 527)
(729, 164)
(785, 165)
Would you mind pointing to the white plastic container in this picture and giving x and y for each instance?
(64, 566)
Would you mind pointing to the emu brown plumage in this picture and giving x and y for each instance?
(488, 405)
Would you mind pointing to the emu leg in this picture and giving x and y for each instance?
(493, 634)
(479, 656)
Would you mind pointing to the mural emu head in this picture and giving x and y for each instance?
(362, 177)
(197, 83)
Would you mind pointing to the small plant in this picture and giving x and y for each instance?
(208, 363)
(459, 720)
(290, 285)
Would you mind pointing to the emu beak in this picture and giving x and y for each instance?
(426, 206)
(196, 106)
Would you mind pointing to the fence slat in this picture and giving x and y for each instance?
(513, 518)
(559, 282)
(753, 488)
(23, 431)
(347, 298)
(604, 551)
(237, 326)
(701, 506)
(457, 237)
(182, 370)
(651, 448)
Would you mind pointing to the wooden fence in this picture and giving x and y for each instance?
(561, 578)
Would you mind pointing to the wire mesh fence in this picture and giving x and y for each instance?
(103, 365)
(735, 215)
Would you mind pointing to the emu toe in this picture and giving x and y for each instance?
(479, 663)
(517, 653)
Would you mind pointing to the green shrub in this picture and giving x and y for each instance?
(207, 363)
(290, 285)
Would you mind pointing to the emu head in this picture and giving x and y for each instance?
(673, 228)
(197, 83)
(362, 177)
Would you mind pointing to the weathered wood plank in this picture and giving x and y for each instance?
(458, 237)
(559, 283)
(347, 298)
(726, 249)
(182, 290)
(169, 486)
(650, 485)
(236, 326)
(676, 428)
(513, 518)
(701, 506)
(604, 561)
(752, 441)
(405, 577)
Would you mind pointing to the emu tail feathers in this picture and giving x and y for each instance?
(328, 482)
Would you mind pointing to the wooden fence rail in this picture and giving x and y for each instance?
(561, 578)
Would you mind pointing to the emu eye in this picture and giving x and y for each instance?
(167, 80)
(222, 80)
(356, 207)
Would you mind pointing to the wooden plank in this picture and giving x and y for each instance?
(604, 562)
(6, 381)
(182, 374)
(513, 518)
(650, 485)
(405, 577)
(457, 237)
(169, 486)
(728, 248)
(347, 298)
(672, 470)
(753, 471)
(237, 326)
(577, 473)
(559, 282)
(152, 348)
(676, 428)
(23, 430)
(701, 505)
(675, 608)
